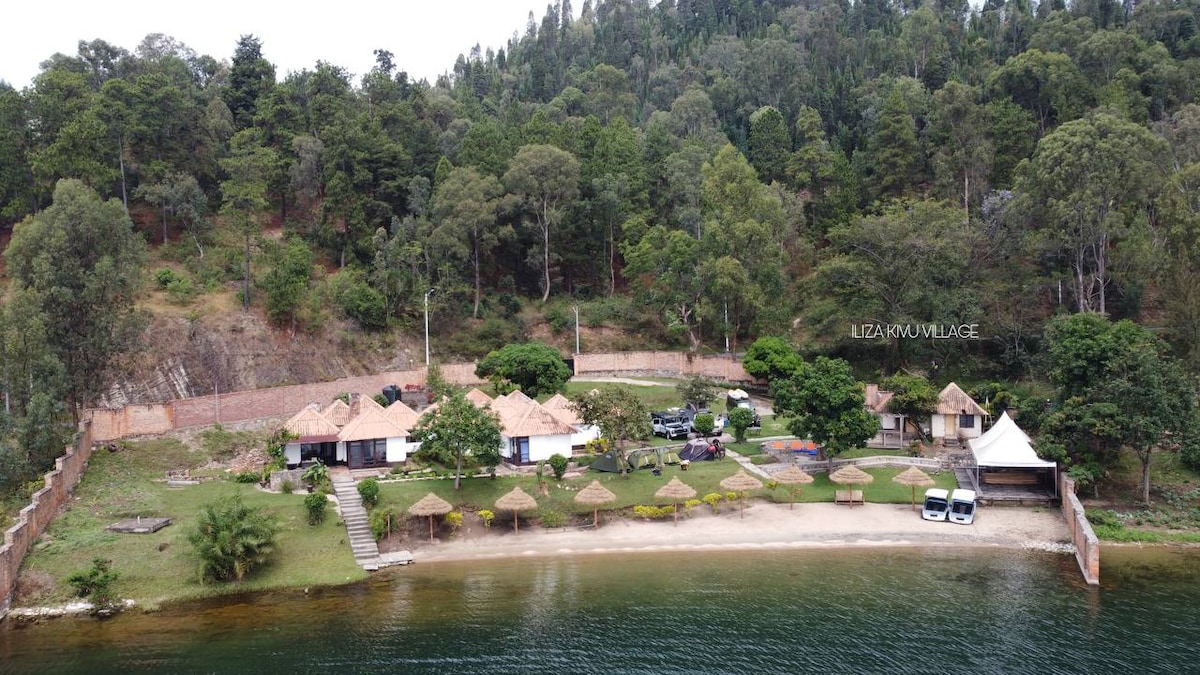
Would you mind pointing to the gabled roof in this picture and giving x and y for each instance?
(954, 401)
(533, 420)
(361, 402)
(560, 406)
(518, 399)
(1005, 445)
(876, 399)
(311, 426)
(402, 416)
(370, 424)
(337, 412)
(477, 397)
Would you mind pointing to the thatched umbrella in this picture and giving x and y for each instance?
(913, 477)
(430, 505)
(594, 495)
(792, 476)
(741, 482)
(676, 490)
(851, 475)
(515, 501)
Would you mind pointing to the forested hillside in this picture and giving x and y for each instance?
(685, 171)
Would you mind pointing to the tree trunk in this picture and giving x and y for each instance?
(545, 255)
(246, 279)
(1146, 477)
(164, 224)
(458, 470)
(475, 313)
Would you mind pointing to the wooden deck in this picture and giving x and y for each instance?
(1002, 494)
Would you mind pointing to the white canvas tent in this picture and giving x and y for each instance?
(1005, 446)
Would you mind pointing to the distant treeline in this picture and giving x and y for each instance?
(694, 169)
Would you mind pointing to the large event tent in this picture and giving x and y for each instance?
(1006, 446)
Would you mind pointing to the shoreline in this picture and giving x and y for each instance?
(765, 526)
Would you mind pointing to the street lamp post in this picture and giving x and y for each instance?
(576, 308)
(427, 294)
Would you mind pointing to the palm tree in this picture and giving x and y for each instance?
(231, 539)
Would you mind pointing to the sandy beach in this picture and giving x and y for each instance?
(765, 526)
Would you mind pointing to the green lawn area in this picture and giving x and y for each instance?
(637, 489)
(156, 568)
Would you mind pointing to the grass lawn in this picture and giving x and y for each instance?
(637, 489)
(1118, 514)
(156, 568)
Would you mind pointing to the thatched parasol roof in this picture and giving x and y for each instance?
(851, 475)
(792, 476)
(517, 500)
(741, 482)
(914, 477)
(430, 505)
(594, 495)
(676, 490)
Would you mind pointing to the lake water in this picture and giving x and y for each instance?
(913, 610)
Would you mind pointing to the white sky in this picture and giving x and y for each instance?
(424, 35)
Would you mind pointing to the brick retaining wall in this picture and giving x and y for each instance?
(33, 519)
(1087, 545)
(239, 406)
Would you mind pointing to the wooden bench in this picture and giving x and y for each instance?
(848, 497)
(1011, 478)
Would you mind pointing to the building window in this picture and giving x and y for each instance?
(966, 421)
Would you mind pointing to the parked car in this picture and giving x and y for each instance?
(937, 504)
(962, 507)
(670, 428)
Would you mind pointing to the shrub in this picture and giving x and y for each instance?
(691, 504)
(164, 276)
(552, 518)
(455, 520)
(248, 477)
(315, 505)
(704, 424)
(653, 512)
(231, 539)
(368, 490)
(95, 584)
(731, 496)
(383, 521)
(316, 475)
(713, 499)
(772, 484)
(486, 516)
(287, 487)
(558, 464)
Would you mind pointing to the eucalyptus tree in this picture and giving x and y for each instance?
(546, 179)
(465, 222)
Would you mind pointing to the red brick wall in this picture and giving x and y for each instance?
(34, 518)
(1087, 545)
(239, 406)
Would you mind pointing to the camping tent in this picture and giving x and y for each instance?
(1005, 446)
(697, 450)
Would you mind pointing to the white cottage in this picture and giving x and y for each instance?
(560, 406)
(316, 438)
(958, 416)
(371, 440)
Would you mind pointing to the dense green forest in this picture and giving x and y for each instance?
(687, 170)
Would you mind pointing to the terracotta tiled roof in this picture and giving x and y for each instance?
(560, 406)
(370, 423)
(519, 399)
(337, 412)
(310, 423)
(403, 416)
(954, 401)
(479, 398)
(876, 399)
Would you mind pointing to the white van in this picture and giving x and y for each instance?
(962, 507)
(937, 504)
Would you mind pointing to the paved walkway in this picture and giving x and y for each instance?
(358, 529)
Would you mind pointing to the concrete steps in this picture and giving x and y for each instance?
(358, 529)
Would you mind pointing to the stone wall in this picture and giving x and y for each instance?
(33, 519)
(1087, 545)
